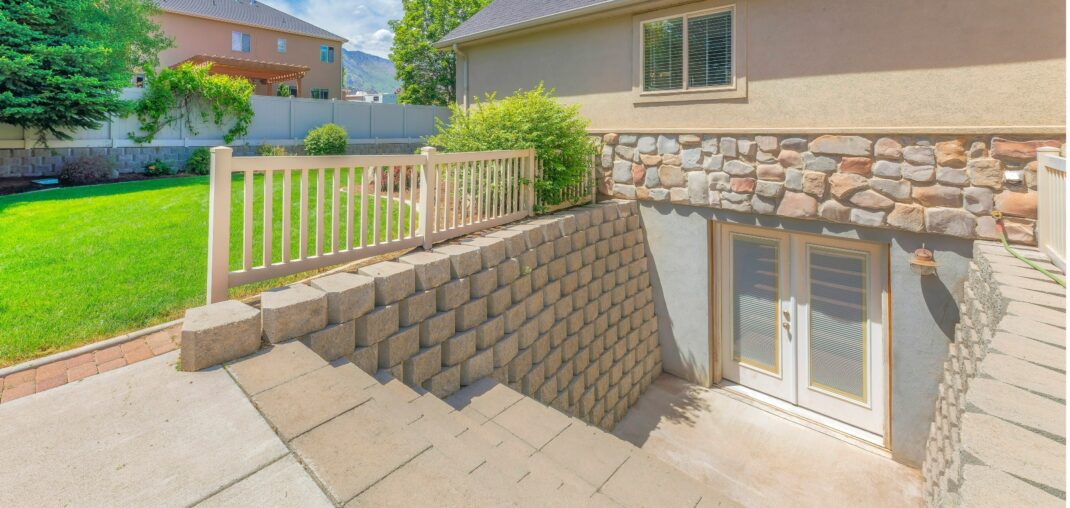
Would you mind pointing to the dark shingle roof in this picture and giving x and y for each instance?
(502, 14)
(247, 12)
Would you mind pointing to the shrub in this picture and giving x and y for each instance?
(270, 150)
(328, 139)
(526, 119)
(283, 90)
(199, 161)
(86, 169)
(158, 168)
(181, 95)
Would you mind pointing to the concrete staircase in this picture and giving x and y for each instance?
(372, 440)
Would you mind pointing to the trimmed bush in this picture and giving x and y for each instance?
(270, 150)
(526, 119)
(86, 169)
(199, 161)
(328, 139)
(158, 168)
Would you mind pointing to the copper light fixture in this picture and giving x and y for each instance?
(922, 262)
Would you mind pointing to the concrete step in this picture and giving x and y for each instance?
(616, 469)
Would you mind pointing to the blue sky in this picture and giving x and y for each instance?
(363, 22)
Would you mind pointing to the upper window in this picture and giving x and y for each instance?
(326, 54)
(687, 52)
(321, 93)
(240, 41)
(282, 45)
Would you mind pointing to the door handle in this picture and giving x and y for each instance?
(786, 323)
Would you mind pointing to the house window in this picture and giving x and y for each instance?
(321, 93)
(282, 45)
(326, 54)
(240, 41)
(687, 52)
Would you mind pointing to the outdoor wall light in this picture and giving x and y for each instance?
(922, 262)
(1014, 176)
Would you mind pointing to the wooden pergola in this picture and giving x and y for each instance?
(254, 70)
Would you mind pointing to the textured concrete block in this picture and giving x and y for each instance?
(421, 366)
(367, 358)
(520, 365)
(393, 281)
(377, 325)
(515, 317)
(445, 383)
(484, 282)
(508, 271)
(477, 367)
(399, 346)
(333, 342)
(292, 311)
(437, 328)
(349, 296)
(471, 314)
(417, 307)
(488, 333)
(464, 259)
(431, 269)
(491, 250)
(217, 333)
(499, 301)
(453, 294)
(506, 349)
(459, 348)
(515, 241)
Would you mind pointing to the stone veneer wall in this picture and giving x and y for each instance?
(559, 308)
(937, 184)
(998, 437)
(27, 162)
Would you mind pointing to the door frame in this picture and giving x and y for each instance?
(882, 264)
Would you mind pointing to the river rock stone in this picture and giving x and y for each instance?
(843, 185)
(746, 148)
(659, 194)
(668, 144)
(938, 195)
(627, 139)
(950, 221)
(691, 159)
(718, 181)
(769, 189)
(713, 162)
(951, 154)
(625, 152)
(888, 169)
(797, 205)
(908, 217)
(689, 139)
(650, 159)
(697, 188)
(887, 148)
(767, 143)
(1017, 204)
(919, 174)
(793, 180)
(794, 144)
(763, 205)
(624, 191)
(986, 172)
(977, 200)
(709, 144)
(647, 144)
(814, 183)
(738, 168)
(1019, 150)
(671, 176)
(610, 139)
(790, 159)
(812, 162)
(867, 217)
(841, 145)
(742, 185)
(728, 147)
(919, 155)
(871, 200)
(771, 172)
(952, 176)
(651, 178)
(835, 211)
(638, 174)
(857, 165)
(622, 172)
(898, 190)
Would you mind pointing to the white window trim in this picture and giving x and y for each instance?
(734, 90)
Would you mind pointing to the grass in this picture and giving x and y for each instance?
(84, 263)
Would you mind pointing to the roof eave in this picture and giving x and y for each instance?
(333, 37)
(544, 20)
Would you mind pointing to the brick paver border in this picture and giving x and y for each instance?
(61, 372)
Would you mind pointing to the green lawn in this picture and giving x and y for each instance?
(85, 263)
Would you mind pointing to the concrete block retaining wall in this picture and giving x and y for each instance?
(998, 438)
(926, 184)
(559, 308)
(41, 162)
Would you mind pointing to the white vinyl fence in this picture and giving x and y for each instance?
(1051, 205)
(277, 121)
(338, 209)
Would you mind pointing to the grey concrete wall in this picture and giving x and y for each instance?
(924, 309)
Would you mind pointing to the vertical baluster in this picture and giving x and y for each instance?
(303, 233)
(287, 209)
(453, 197)
(477, 172)
(466, 193)
(375, 205)
(389, 201)
(351, 201)
(247, 244)
(319, 211)
(401, 202)
(269, 227)
(510, 185)
(336, 214)
(413, 176)
(363, 206)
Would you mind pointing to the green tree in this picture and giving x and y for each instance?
(63, 63)
(427, 75)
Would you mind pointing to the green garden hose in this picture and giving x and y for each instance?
(1003, 238)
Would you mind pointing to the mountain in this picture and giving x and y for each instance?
(368, 73)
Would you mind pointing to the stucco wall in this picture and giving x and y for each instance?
(835, 65)
(200, 36)
(924, 309)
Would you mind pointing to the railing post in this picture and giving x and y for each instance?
(219, 224)
(532, 161)
(427, 207)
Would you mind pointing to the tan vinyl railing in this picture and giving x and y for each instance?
(1051, 205)
(578, 194)
(338, 209)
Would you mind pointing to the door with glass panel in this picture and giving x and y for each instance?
(802, 320)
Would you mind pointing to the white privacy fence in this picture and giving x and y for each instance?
(1051, 205)
(277, 121)
(295, 214)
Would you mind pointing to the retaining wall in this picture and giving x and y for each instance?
(559, 308)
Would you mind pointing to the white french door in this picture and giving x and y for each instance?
(801, 319)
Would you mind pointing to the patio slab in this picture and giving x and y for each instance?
(758, 457)
(142, 435)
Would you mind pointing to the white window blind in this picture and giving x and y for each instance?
(755, 303)
(696, 46)
(709, 50)
(240, 42)
(838, 322)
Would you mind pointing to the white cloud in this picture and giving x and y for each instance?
(363, 22)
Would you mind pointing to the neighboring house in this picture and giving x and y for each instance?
(250, 39)
(790, 158)
(377, 98)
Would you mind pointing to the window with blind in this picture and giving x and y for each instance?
(697, 47)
